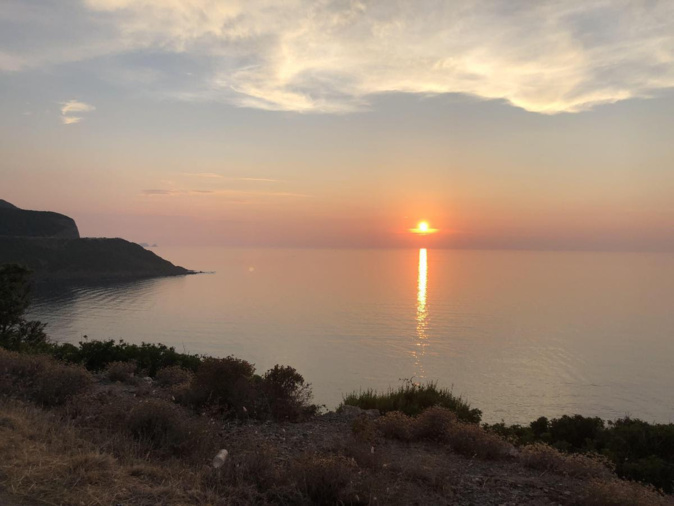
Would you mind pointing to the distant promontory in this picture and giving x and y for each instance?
(50, 244)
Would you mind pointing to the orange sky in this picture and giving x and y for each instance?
(343, 126)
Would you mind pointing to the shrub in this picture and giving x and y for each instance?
(173, 375)
(41, 379)
(165, 427)
(59, 382)
(575, 432)
(473, 441)
(285, 395)
(224, 383)
(442, 426)
(413, 399)
(543, 457)
(434, 424)
(96, 355)
(394, 425)
(123, 372)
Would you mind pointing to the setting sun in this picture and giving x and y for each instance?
(423, 228)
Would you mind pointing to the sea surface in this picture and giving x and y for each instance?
(518, 334)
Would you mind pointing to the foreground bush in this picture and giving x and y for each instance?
(413, 399)
(285, 395)
(230, 386)
(224, 383)
(41, 379)
(165, 427)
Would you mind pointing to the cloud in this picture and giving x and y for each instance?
(212, 175)
(334, 56)
(70, 120)
(74, 106)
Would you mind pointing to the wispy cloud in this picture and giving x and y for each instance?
(74, 107)
(334, 56)
(176, 192)
(212, 175)
(206, 175)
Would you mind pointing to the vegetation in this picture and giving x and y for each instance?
(639, 450)
(412, 399)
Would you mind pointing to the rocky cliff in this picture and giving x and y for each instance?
(15, 222)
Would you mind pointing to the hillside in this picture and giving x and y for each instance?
(85, 258)
(50, 244)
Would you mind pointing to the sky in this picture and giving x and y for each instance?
(504, 124)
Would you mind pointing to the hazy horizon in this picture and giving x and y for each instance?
(343, 124)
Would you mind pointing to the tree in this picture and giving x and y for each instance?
(15, 330)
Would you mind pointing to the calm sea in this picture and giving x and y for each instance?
(518, 334)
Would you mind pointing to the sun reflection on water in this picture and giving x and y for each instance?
(422, 311)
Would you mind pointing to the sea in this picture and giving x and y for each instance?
(518, 334)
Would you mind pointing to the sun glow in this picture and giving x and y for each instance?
(423, 228)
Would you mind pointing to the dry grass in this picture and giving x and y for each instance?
(622, 493)
(44, 457)
(173, 376)
(545, 458)
(324, 479)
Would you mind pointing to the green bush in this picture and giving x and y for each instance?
(413, 399)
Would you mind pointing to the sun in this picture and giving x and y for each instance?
(423, 228)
